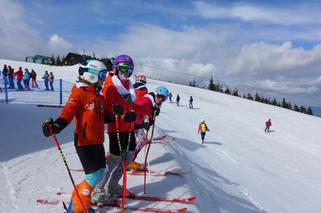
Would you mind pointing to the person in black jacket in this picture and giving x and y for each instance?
(190, 104)
(177, 99)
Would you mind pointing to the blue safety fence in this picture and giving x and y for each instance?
(36, 95)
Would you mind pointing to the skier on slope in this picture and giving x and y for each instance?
(88, 107)
(202, 128)
(152, 100)
(120, 98)
(177, 99)
(140, 91)
(268, 124)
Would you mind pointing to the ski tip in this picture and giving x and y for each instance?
(182, 210)
(192, 199)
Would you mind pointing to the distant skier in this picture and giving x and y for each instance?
(19, 75)
(178, 99)
(268, 124)
(170, 97)
(202, 128)
(34, 79)
(5, 74)
(26, 79)
(190, 102)
(88, 107)
(45, 77)
(51, 81)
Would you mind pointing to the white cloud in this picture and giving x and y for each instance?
(58, 45)
(290, 15)
(260, 58)
(285, 87)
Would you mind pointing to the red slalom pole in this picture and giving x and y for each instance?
(71, 178)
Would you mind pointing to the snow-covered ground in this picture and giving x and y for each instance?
(239, 169)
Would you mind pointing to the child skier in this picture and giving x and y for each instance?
(88, 107)
(120, 100)
(152, 100)
(202, 128)
(140, 86)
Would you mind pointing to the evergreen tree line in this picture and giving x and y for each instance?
(55, 60)
(214, 86)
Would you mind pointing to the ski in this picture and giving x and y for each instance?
(154, 173)
(151, 173)
(48, 202)
(118, 205)
(143, 209)
(133, 196)
(187, 200)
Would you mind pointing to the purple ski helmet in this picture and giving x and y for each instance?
(123, 61)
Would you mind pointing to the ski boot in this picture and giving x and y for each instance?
(84, 190)
(100, 197)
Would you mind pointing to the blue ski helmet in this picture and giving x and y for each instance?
(162, 92)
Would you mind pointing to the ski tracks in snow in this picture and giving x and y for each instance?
(11, 191)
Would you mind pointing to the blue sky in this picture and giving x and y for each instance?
(268, 46)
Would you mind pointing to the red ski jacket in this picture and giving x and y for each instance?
(114, 92)
(19, 74)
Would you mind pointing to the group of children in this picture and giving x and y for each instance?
(98, 98)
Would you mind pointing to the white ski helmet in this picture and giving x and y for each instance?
(92, 69)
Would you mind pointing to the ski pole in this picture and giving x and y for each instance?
(149, 144)
(123, 156)
(71, 178)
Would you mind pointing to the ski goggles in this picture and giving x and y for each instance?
(101, 74)
(161, 97)
(125, 68)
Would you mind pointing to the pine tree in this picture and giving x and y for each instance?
(296, 108)
(249, 96)
(235, 92)
(52, 60)
(309, 111)
(303, 109)
(58, 61)
(227, 91)
(284, 103)
(211, 86)
(257, 97)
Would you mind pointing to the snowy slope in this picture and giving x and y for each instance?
(239, 169)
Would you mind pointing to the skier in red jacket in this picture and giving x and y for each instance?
(152, 100)
(140, 86)
(19, 76)
(268, 124)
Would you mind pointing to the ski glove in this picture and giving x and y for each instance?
(117, 109)
(130, 116)
(155, 110)
(109, 118)
(51, 127)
